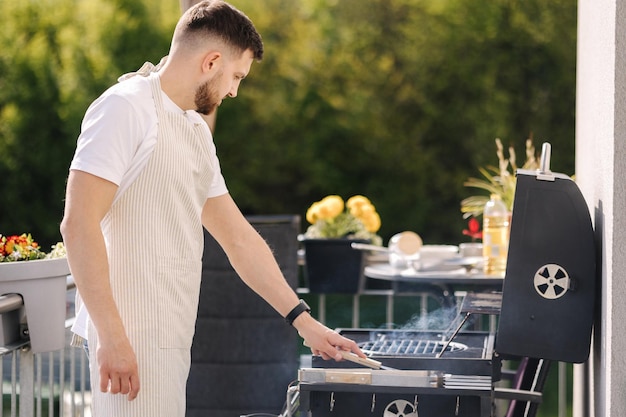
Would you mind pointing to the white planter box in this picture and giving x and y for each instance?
(42, 284)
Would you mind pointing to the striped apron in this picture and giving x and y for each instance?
(155, 242)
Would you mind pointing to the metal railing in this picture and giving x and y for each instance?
(56, 384)
(53, 384)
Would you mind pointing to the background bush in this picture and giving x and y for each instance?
(399, 100)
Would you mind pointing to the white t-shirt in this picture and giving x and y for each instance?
(118, 135)
(119, 132)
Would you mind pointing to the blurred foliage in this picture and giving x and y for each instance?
(399, 100)
(57, 57)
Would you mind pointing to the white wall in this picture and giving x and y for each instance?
(601, 175)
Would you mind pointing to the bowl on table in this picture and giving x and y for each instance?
(436, 256)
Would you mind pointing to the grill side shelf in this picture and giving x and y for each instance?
(374, 377)
(473, 382)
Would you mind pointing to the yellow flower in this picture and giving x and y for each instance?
(312, 213)
(330, 206)
(355, 203)
(371, 220)
(331, 218)
(327, 208)
(361, 208)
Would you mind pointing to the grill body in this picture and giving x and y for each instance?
(376, 403)
(546, 313)
(549, 290)
(470, 353)
(460, 385)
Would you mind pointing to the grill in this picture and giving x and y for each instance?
(395, 346)
(424, 365)
(546, 303)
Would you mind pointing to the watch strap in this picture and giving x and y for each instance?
(296, 311)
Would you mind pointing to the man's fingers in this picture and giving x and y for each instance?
(104, 383)
(134, 387)
(124, 386)
(116, 385)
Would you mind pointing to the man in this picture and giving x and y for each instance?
(144, 180)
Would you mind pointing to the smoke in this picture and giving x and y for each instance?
(434, 320)
(440, 319)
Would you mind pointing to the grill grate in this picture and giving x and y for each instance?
(408, 347)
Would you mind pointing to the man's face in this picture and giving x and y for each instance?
(207, 96)
(224, 83)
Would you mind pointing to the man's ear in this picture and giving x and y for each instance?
(211, 61)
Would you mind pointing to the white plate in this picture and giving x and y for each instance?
(443, 249)
(475, 261)
(389, 271)
(438, 252)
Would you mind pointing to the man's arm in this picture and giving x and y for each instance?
(88, 199)
(253, 260)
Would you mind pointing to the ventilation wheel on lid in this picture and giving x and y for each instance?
(551, 281)
(400, 408)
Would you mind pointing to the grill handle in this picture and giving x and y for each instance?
(546, 154)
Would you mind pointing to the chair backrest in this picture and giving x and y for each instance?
(530, 377)
(244, 355)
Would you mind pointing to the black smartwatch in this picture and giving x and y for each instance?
(297, 310)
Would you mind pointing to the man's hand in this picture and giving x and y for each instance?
(323, 341)
(118, 368)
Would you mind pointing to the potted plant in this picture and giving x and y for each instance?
(497, 180)
(41, 280)
(331, 264)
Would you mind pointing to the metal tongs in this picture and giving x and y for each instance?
(353, 357)
(370, 363)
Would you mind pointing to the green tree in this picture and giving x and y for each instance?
(57, 56)
(400, 100)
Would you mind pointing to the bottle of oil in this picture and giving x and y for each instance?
(495, 236)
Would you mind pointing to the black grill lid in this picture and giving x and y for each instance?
(549, 287)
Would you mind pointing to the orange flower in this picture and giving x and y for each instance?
(19, 248)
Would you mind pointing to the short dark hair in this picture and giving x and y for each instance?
(216, 18)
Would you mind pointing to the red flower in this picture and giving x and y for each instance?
(473, 229)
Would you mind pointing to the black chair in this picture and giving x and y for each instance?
(244, 355)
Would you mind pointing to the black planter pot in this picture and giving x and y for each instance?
(332, 266)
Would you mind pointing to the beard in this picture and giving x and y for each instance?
(207, 97)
